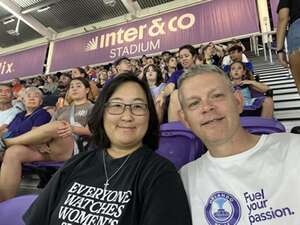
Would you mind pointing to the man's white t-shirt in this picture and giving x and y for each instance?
(8, 115)
(260, 186)
(227, 60)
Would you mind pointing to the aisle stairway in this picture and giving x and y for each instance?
(286, 98)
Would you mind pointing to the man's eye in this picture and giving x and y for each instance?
(194, 104)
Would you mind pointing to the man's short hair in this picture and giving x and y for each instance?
(198, 70)
(118, 61)
(66, 75)
(235, 47)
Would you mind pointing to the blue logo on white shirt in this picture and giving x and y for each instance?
(223, 209)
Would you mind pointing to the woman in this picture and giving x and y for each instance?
(121, 180)
(289, 15)
(80, 72)
(187, 55)
(153, 76)
(33, 116)
(52, 141)
(171, 63)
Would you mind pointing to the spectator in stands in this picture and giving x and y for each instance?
(153, 76)
(166, 55)
(7, 111)
(52, 141)
(240, 169)
(33, 116)
(171, 64)
(51, 85)
(135, 67)
(252, 91)
(80, 72)
(212, 54)
(236, 55)
(227, 60)
(125, 134)
(150, 60)
(102, 78)
(187, 54)
(123, 65)
(144, 60)
(16, 86)
(289, 16)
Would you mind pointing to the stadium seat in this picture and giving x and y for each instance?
(12, 210)
(259, 125)
(178, 144)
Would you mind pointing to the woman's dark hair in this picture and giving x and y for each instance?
(95, 122)
(159, 77)
(82, 71)
(248, 75)
(191, 49)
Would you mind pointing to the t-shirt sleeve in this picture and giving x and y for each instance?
(165, 202)
(283, 4)
(41, 118)
(174, 77)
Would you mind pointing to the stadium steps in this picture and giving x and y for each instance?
(286, 98)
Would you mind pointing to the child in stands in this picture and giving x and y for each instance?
(252, 91)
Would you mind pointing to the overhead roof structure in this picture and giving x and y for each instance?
(46, 20)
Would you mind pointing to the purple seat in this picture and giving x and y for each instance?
(259, 125)
(12, 210)
(44, 164)
(178, 144)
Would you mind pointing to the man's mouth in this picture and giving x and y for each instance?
(212, 121)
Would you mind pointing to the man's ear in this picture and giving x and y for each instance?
(240, 100)
(183, 118)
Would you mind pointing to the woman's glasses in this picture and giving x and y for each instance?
(117, 108)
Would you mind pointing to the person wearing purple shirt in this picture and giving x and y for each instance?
(187, 54)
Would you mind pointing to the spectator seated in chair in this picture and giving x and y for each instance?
(55, 141)
(7, 110)
(252, 91)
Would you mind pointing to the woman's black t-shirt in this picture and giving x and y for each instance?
(147, 190)
(293, 5)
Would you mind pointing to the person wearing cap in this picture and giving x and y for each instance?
(123, 65)
(236, 55)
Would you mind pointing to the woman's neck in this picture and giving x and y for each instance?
(119, 152)
(80, 101)
(30, 110)
(5, 106)
(171, 69)
(151, 83)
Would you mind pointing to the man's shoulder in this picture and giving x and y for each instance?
(193, 166)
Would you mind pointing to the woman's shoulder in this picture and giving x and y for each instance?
(157, 163)
(80, 160)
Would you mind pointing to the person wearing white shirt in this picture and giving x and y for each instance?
(7, 111)
(243, 178)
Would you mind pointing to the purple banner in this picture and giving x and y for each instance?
(25, 63)
(274, 5)
(209, 21)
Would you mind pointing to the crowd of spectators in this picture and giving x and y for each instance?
(29, 134)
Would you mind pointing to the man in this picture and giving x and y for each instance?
(123, 65)
(7, 111)
(236, 55)
(243, 178)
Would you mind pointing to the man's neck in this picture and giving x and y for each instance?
(235, 145)
(5, 106)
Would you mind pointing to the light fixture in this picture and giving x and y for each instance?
(10, 20)
(111, 3)
(45, 8)
(15, 32)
